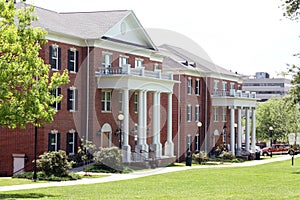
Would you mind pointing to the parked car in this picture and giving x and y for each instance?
(279, 149)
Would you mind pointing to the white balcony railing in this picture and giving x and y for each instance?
(127, 70)
(234, 93)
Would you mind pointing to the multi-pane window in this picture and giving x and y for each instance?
(123, 60)
(135, 102)
(138, 62)
(56, 93)
(189, 85)
(215, 111)
(224, 119)
(106, 101)
(189, 113)
(197, 113)
(106, 59)
(156, 67)
(188, 143)
(216, 87)
(197, 142)
(54, 141)
(120, 101)
(224, 88)
(72, 60)
(55, 57)
(197, 87)
(72, 101)
(72, 146)
(231, 86)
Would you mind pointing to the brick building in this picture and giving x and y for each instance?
(126, 92)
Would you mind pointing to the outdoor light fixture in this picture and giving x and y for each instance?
(199, 125)
(119, 131)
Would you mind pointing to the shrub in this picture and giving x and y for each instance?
(43, 176)
(54, 163)
(108, 159)
(227, 155)
(200, 157)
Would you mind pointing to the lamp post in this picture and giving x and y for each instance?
(120, 119)
(235, 134)
(224, 136)
(199, 125)
(270, 134)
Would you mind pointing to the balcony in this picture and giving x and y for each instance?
(134, 79)
(234, 98)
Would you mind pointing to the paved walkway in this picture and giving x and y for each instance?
(138, 174)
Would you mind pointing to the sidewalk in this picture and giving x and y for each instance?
(138, 174)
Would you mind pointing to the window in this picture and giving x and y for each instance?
(55, 57)
(54, 141)
(189, 113)
(106, 101)
(72, 99)
(224, 88)
(215, 110)
(73, 60)
(188, 143)
(216, 87)
(138, 62)
(197, 143)
(189, 85)
(197, 113)
(123, 61)
(224, 114)
(120, 102)
(56, 93)
(156, 67)
(72, 145)
(135, 101)
(197, 87)
(231, 86)
(106, 59)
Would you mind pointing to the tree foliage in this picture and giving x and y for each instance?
(280, 114)
(24, 77)
(291, 9)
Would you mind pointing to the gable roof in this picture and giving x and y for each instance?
(194, 62)
(88, 25)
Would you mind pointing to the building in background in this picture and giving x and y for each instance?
(266, 87)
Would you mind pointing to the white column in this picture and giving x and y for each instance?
(144, 138)
(247, 136)
(232, 135)
(126, 147)
(253, 137)
(239, 136)
(156, 146)
(169, 145)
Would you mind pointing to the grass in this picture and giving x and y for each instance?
(277, 180)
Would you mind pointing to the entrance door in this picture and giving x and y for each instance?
(106, 135)
(19, 163)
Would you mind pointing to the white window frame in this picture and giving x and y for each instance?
(104, 59)
(72, 142)
(56, 94)
(138, 62)
(156, 67)
(197, 142)
(106, 100)
(224, 88)
(122, 59)
(224, 112)
(189, 113)
(216, 86)
(197, 113)
(55, 56)
(189, 142)
(189, 86)
(73, 50)
(55, 133)
(197, 87)
(73, 99)
(215, 113)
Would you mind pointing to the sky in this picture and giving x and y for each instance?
(245, 36)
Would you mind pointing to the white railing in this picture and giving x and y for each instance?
(127, 70)
(234, 93)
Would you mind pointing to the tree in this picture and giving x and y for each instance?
(280, 114)
(25, 84)
(291, 9)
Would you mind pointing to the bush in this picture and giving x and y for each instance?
(200, 157)
(44, 177)
(227, 155)
(108, 159)
(54, 163)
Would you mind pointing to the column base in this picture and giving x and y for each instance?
(169, 149)
(142, 152)
(157, 149)
(126, 151)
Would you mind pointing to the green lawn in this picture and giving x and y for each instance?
(270, 181)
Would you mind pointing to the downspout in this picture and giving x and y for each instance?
(206, 98)
(178, 119)
(87, 90)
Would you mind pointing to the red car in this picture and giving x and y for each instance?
(277, 149)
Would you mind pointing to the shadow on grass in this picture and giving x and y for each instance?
(24, 196)
(298, 173)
